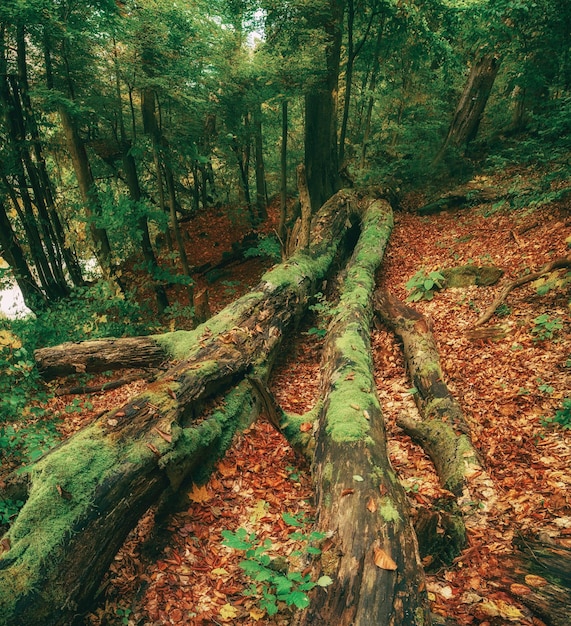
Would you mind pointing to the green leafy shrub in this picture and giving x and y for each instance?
(423, 285)
(273, 581)
(8, 510)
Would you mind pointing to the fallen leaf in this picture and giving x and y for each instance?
(164, 435)
(355, 406)
(371, 504)
(5, 545)
(306, 427)
(199, 494)
(347, 492)
(256, 614)
(219, 571)
(383, 560)
(358, 478)
(366, 415)
(66, 495)
(228, 611)
(535, 581)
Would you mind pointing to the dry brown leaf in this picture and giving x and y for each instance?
(347, 492)
(306, 427)
(5, 545)
(371, 504)
(383, 560)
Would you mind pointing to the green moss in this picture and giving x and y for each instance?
(377, 476)
(419, 616)
(387, 510)
(48, 516)
(327, 473)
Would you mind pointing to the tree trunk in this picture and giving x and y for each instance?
(370, 551)
(473, 100)
(321, 158)
(85, 495)
(282, 234)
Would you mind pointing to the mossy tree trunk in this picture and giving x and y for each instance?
(85, 495)
(370, 551)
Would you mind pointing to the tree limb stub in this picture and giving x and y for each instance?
(370, 551)
(556, 264)
(113, 470)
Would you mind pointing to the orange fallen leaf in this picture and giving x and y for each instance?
(371, 504)
(383, 560)
(5, 545)
(199, 494)
(164, 435)
(535, 581)
(347, 492)
(306, 427)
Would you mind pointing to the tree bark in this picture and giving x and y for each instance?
(261, 196)
(85, 495)
(370, 551)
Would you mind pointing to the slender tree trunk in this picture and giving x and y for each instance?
(348, 80)
(14, 256)
(283, 178)
(261, 196)
(371, 90)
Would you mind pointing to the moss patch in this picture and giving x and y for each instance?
(387, 510)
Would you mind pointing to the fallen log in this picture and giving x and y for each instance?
(100, 355)
(88, 493)
(559, 263)
(370, 552)
(442, 432)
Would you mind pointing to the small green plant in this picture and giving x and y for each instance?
(293, 473)
(123, 614)
(324, 311)
(273, 582)
(503, 310)
(562, 416)
(8, 510)
(423, 285)
(544, 387)
(546, 327)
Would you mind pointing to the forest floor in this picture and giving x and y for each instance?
(507, 388)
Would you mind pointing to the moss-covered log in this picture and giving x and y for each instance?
(442, 431)
(370, 552)
(85, 495)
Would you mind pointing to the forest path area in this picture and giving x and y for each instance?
(507, 386)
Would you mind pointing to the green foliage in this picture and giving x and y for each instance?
(546, 327)
(123, 613)
(503, 310)
(562, 416)
(273, 582)
(423, 285)
(265, 247)
(325, 311)
(8, 510)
